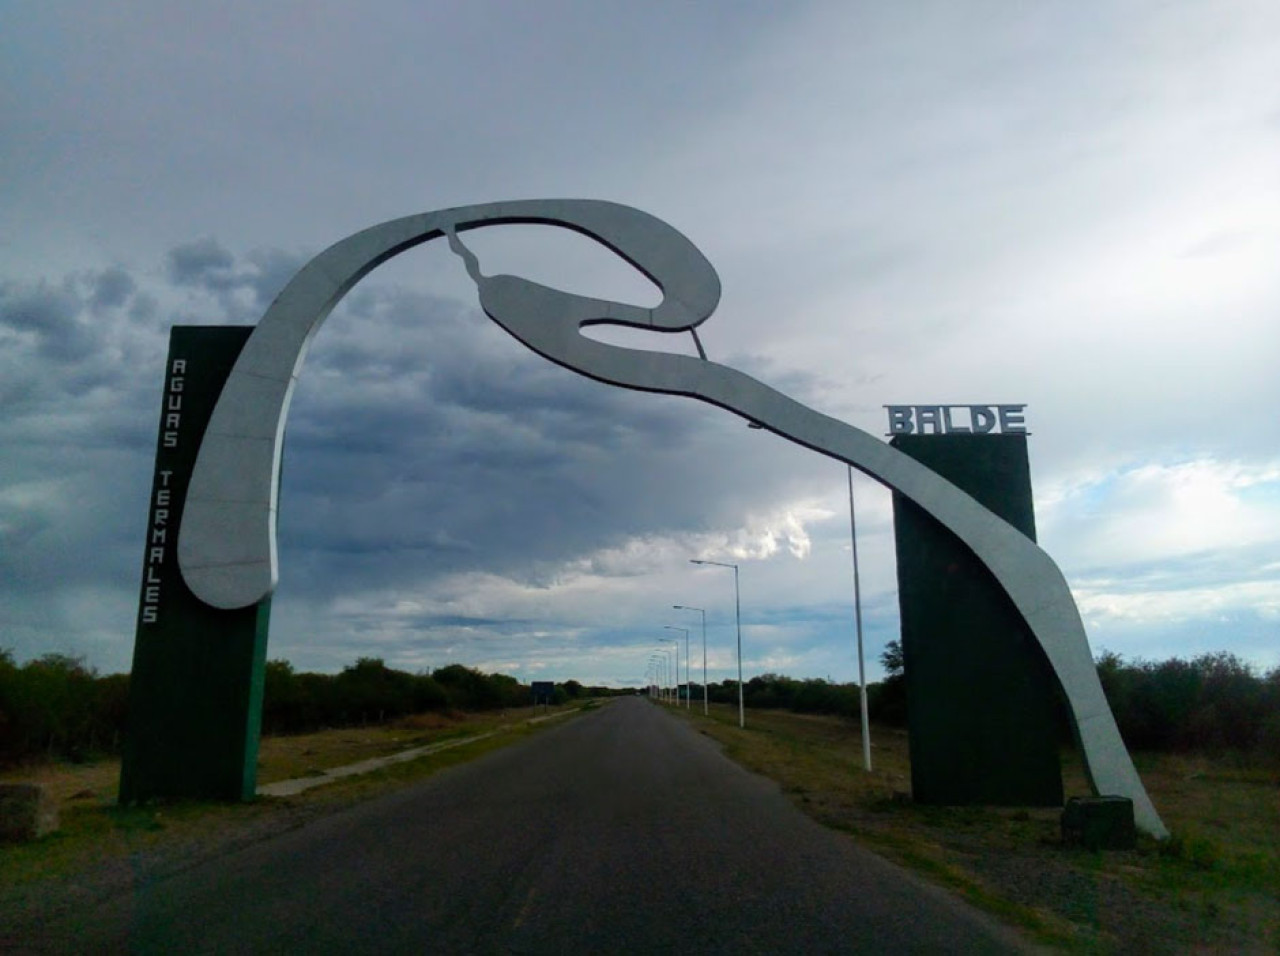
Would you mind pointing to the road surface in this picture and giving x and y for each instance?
(622, 830)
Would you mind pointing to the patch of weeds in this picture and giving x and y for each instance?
(1198, 851)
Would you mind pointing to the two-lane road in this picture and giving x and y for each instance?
(621, 830)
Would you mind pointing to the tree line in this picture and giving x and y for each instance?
(1210, 702)
(57, 707)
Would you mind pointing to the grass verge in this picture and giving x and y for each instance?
(1215, 886)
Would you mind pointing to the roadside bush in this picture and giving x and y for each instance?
(56, 707)
(1215, 701)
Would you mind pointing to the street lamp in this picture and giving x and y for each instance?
(672, 640)
(663, 663)
(660, 662)
(683, 607)
(737, 608)
(688, 700)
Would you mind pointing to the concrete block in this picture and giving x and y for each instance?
(27, 812)
(1099, 823)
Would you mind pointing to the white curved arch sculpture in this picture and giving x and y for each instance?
(227, 542)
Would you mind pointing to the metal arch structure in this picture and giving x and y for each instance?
(227, 540)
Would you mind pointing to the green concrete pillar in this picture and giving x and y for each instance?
(983, 707)
(195, 692)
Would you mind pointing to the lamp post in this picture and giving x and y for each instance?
(683, 607)
(688, 681)
(857, 614)
(659, 663)
(737, 610)
(676, 688)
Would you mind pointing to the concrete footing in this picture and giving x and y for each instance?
(27, 812)
(1099, 823)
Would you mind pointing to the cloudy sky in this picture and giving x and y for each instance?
(1073, 206)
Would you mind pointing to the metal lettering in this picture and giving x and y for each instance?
(948, 426)
(900, 420)
(982, 418)
(1011, 420)
(929, 415)
(945, 420)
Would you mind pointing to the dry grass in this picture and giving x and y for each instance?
(283, 757)
(303, 755)
(1214, 887)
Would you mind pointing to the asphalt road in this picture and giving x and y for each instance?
(622, 830)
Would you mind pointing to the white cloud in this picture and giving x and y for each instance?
(1097, 602)
(1157, 511)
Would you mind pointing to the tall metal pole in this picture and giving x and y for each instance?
(737, 613)
(706, 709)
(857, 614)
(737, 608)
(675, 653)
(676, 687)
(687, 679)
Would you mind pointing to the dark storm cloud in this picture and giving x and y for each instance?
(243, 288)
(81, 364)
(440, 438)
(204, 263)
(111, 289)
(53, 315)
